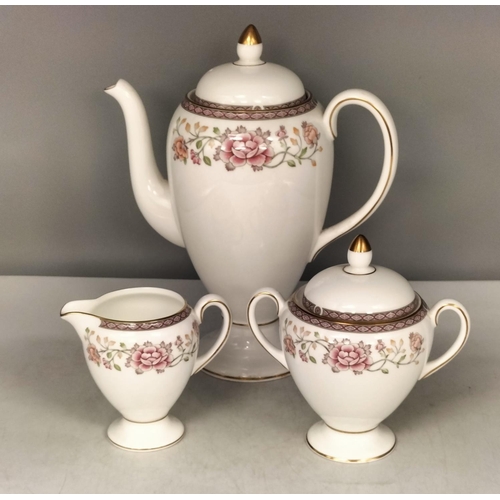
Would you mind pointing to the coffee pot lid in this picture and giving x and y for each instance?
(249, 81)
(358, 291)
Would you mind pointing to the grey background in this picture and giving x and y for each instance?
(67, 204)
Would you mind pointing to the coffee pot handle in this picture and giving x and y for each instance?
(274, 351)
(199, 309)
(381, 113)
(444, 305)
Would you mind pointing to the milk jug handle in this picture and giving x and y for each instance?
(199, 309)
(384, 119)
(444, 305)
(269, 293)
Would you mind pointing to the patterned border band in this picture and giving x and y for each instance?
(360, 328)
(147, 325)
(198, 106)
(375, 318)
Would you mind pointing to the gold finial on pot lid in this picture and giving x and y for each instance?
(250, 36)
(360, 244)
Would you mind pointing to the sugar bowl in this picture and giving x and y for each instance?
(356, 339)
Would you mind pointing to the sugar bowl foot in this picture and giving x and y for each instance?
(148, 436)
(348, 447)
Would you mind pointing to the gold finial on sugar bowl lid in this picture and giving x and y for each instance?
(250, 36)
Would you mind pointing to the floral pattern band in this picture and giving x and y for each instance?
(147, 325)
(198, 106)
(245, 147)
(344, 355)
(148, 357)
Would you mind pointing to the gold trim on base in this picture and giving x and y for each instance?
(145, 450)
(230, 378)
(348, 460)
(260, 324)
(349, 432)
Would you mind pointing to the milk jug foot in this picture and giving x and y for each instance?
(146, 436)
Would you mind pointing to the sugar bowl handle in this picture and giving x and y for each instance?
(276, 353)
(378, 109)
(199, 309)
(444, 305)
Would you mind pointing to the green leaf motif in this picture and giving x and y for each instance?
(186, 359)
(199, 144)
(108, 354)
(87, 330)
(312, 359)
(207, 160)
(316, 334)
(385, 370)
(216, 130)
(303, 152)
(122, 345)
(402, 358)
(117, 367)
(303, 346)
(291, 163)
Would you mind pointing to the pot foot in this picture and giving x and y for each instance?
(148, 436)
(352, 448)
(243, 359)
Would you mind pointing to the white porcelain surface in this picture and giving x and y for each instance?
(359, 287)
(249, 81)
(141, 347)
(354, 374)
(351, 448)
(252, 224)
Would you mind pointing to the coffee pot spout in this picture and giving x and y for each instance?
(151, 190)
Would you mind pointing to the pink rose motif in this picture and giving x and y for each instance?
(242, 147)
(345, 356)
(194, 157)
(380, 345)
(311, 134)
(416, 341)
(281, 133)
(106, 363)
(289, 345)
(303, 356)
(93, 354)
(148, 357)
(180, 150)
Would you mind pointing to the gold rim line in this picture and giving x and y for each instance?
(467, 331)
(147, 449)
(356, 274)
(391, 166)
(260, 324)
(142, 423)
(421, 307)
(298, 294)
(102, 318)
(230, 378)
(349, 432)
(228, 329)
(351, 461)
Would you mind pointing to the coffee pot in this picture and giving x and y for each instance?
(250, 166)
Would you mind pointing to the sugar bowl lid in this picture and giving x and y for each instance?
(249, 81)
(358, 292)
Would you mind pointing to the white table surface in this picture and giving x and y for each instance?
(240, 437)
